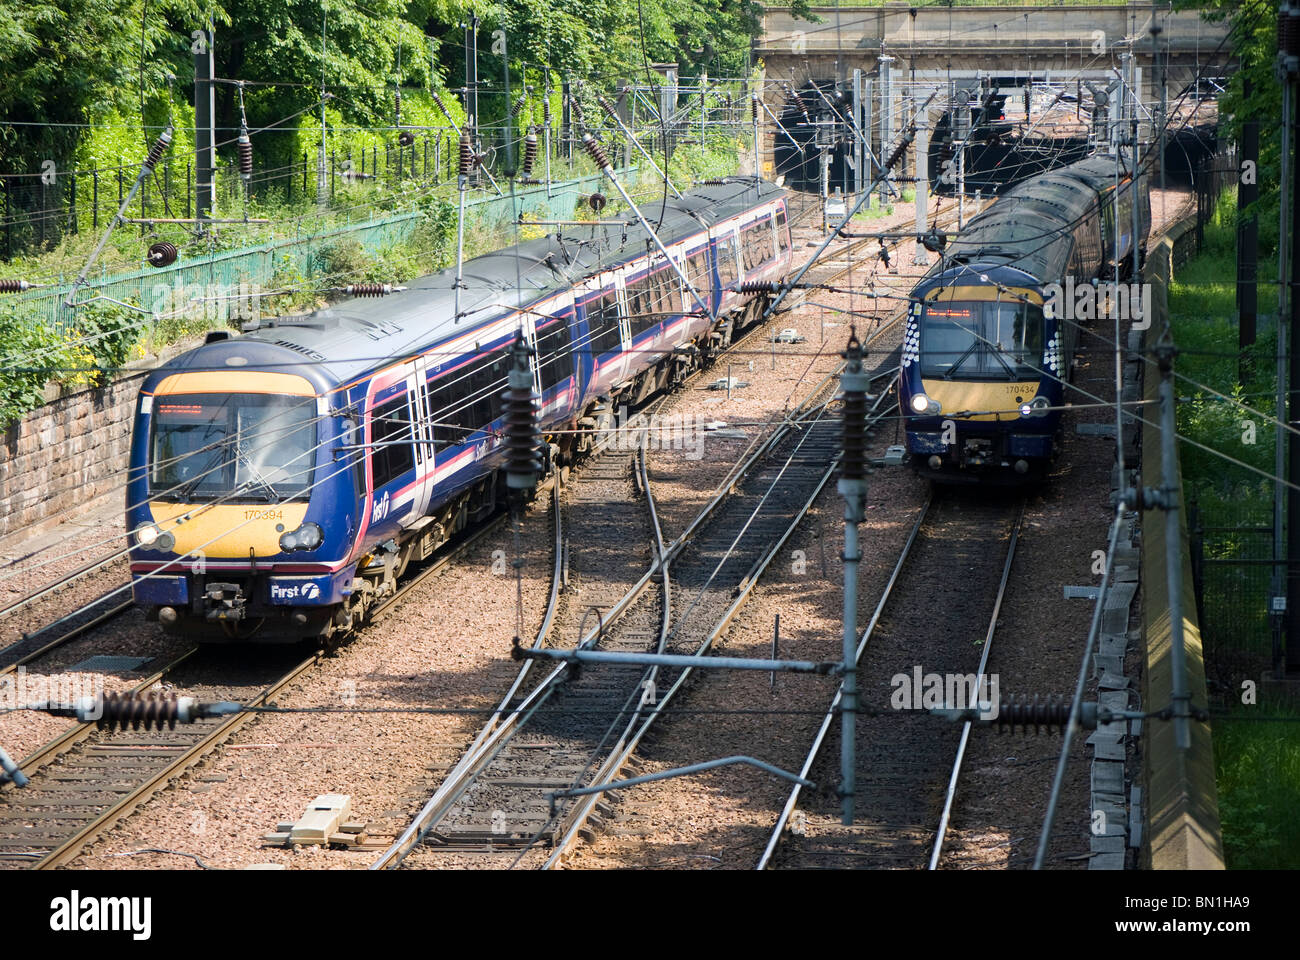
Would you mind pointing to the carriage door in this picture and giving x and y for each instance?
(417, 384)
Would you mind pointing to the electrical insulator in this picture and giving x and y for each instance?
(530, 153)
(162, 254)
(606, 106)
(753, 109)
(517, 107)
(245, 147)
(853, 466)
(397, 104)
(546, 110)
(467, 157)
(14, 286)
(523, 439)
(897, 154)
(406, 138)
(159, 148)
(116, 711)
(803, 107)
(757, 286)
(575, 105)
(597, 202)
(1052, 712)
(368, 289)
(596, 151)
(440, 105)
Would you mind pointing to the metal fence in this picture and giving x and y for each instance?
(40, 209)
(254, 267)
(1232, 568)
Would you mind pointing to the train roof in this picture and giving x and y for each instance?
(345, 340)
(1028, 227)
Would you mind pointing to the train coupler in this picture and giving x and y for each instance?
(224, 602)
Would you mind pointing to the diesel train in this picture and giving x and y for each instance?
(991, 328)
(281, 480)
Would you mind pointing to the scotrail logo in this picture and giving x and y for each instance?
(75, 913)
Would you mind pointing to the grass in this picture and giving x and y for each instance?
(1257, 764)
(1258, 770)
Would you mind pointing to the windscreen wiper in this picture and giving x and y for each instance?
(960, 360)
(242, 456)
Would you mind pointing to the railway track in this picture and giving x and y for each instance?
(85, 780)
(939, 611)
(572, 732)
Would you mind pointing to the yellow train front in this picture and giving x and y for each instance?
(991, 332)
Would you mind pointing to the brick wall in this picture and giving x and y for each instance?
(66, 453)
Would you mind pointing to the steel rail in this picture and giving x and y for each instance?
(494, 733)
(70, 848)
(63, 638)
(79, 731)
(951, 793)
(617, 760)
(784, 817)
(63, 581)
(500, 730)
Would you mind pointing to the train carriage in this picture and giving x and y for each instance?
(988, 349)
(282, 480)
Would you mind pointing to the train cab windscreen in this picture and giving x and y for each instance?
(233, 447)
(982, 340)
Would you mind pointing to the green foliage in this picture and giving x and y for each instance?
(107, 332)
(29, 349)
(1258, 771)
(66, 62)
(1257, 764)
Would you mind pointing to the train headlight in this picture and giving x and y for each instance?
(309, 536)
(146, 535)
(165, 542)
(1036, 407)
(923, 404)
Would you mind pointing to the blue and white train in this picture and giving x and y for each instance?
(991, 329)
(281, 480)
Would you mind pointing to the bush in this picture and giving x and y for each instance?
(31, 353)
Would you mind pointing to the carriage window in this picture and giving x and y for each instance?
(782, 233)
(555, 362)
(602, 324)
(642, 305)
(697, 268)
(726, 261)
(393, 452)
(488, 382)
(756, 242)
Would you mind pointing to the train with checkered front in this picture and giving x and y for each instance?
(282, 480)
(991, 329)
